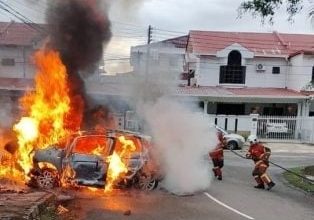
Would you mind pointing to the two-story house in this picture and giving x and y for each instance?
(241, 73)
(161, 60)
(17, 43)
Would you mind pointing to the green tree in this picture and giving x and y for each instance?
(266, 9)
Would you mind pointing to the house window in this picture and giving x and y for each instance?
(273, 111)
(230, 109)
(234, 58)
(233, 73)
(276, 70)
(8, 62)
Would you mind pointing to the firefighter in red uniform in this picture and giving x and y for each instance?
(217, 156)
(260, 155)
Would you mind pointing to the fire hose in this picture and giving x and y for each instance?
(281, 167)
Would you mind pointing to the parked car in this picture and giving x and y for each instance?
(234, 141)
(82, 159)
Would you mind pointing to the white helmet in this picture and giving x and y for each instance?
(252, 139)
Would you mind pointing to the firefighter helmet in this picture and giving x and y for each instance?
(252, 139)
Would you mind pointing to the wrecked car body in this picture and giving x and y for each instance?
(82, 160)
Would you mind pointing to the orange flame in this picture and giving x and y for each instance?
(46, 107)
(51, 114)
(116, 165)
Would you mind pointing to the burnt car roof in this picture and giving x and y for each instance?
(110, 133)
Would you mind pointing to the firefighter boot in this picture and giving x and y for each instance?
(219, 173)
(260, 186)
(215, 172)
(270, 185)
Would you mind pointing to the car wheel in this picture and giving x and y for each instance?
(147, 183)
(232, 145)
(47, 179)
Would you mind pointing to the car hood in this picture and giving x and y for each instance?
(234, 136)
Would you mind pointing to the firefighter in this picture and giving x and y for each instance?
(260, 155)
(217, 156)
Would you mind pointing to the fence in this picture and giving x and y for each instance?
(282, 128)
(278, 127)
(232, 123)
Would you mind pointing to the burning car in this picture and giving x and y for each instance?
(110, 159)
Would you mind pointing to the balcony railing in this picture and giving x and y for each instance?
(232, 74)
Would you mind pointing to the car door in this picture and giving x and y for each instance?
(88, 159)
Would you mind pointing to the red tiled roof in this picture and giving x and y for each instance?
(20, 34)
(262, 44)
(265, 92)
(306, 52)
(179, 42)
(213, 91)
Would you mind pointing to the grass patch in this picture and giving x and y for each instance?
(297, 181)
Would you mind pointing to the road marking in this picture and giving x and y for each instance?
(226, 206)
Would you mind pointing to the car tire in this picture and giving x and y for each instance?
(47, 179)
(147, 183)
(232, 145)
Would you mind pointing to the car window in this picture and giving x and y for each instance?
(128, 139)
(64, 142)
(221, 130)
(96, 145)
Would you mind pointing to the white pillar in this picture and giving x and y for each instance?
(254, 120)
(298, 121)
(205, 107)
(299, 109)
(305, 108)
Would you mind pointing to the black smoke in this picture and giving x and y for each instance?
(78, 29)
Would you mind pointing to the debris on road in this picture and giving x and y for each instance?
(26, 205)
(61, 210)
(127, 212)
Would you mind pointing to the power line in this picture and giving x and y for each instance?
(21, 17)
(128, 24)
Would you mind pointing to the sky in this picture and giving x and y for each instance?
(130, 20)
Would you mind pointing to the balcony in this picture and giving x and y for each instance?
(232, 74)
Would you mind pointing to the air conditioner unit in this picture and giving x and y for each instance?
(260, 67)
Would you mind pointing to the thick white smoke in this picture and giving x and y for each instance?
(183, 139)
(181, 132)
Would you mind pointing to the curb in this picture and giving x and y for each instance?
(291, 186)
(40, 207)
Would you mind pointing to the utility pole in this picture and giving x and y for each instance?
(147, 62)
(149, 40)
(149, 34)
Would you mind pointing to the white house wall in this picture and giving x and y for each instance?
(23, 67)
(162, 60)
(300, 71)
(209, 70)
(266, 78)
(207, 73)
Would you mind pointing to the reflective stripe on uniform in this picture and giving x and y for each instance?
(265, 176)
(258, 162)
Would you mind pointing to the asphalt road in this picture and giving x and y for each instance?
(231, 199)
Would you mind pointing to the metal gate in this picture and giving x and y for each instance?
(278, 127)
